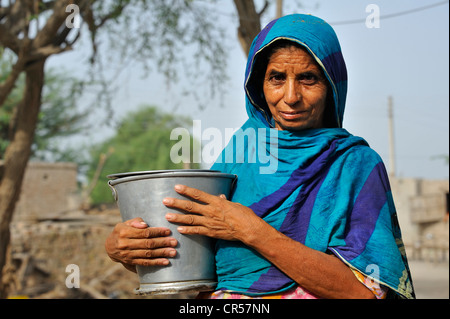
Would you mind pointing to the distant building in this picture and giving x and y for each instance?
(422, 209)
(47, 189)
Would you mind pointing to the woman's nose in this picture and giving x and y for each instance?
(291, 93)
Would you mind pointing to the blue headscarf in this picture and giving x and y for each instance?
(324, 188)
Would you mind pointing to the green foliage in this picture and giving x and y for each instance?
(142, 143)
(174, 37)
(178, 39)
(59, 116)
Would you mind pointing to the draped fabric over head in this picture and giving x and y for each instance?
(324, 188)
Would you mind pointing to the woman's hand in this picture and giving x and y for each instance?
(134, 243)
(214, 217)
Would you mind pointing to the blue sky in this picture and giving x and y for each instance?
(406, 58)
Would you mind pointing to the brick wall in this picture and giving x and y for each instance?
(53, 246)
(47, 189)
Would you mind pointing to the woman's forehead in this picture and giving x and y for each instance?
(291, 55)
(292, 58)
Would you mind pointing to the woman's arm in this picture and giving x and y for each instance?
(323, 275)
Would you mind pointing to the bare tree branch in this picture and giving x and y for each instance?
(249, 22)
(61, 37)
(88, 16)
(117, 10)
(266, 5)
(44, 6)
(46, 35)
(4, 11)
(17, 18)
(8, 40)
(17, 68)
(45, 52)
(8, 85)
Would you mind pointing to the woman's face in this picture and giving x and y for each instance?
(295, 89)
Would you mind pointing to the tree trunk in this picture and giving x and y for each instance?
(17, 155)
(279, 13)
(249, 23)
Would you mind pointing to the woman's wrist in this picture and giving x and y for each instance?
(258, 233)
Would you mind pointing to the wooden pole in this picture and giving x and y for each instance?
(391, 138)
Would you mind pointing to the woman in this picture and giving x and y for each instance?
(323, 223)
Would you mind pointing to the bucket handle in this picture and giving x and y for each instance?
(114, 192)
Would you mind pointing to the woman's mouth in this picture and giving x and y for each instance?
(292, 115)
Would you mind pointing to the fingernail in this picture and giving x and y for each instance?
(180, 229)
(143, 223)
(169, 216)
(178, 187)
(167, 201)
(173, 242)
(172, 253)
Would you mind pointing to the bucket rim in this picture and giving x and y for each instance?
(140, 175)
(136, 173)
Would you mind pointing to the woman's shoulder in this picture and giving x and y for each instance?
(359, 162)
(353, 147)
(365, 151)
(361, 153)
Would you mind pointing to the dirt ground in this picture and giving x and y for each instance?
(431, 280)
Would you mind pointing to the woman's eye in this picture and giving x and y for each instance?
(277, 78)
(308, 79)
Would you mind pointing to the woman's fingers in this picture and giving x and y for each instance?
(137, 223)
(150, 262)
(149, 232)
(156, 253)
(186, 205)
(193, 206)
(145, 257)
(187, 219)
(140, 259)
(195, 194)
(149, 244)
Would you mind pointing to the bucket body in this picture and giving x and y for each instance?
(140, 194)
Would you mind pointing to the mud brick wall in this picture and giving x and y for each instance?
(55, 245)
(47, 188)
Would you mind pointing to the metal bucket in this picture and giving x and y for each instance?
(140, 194)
